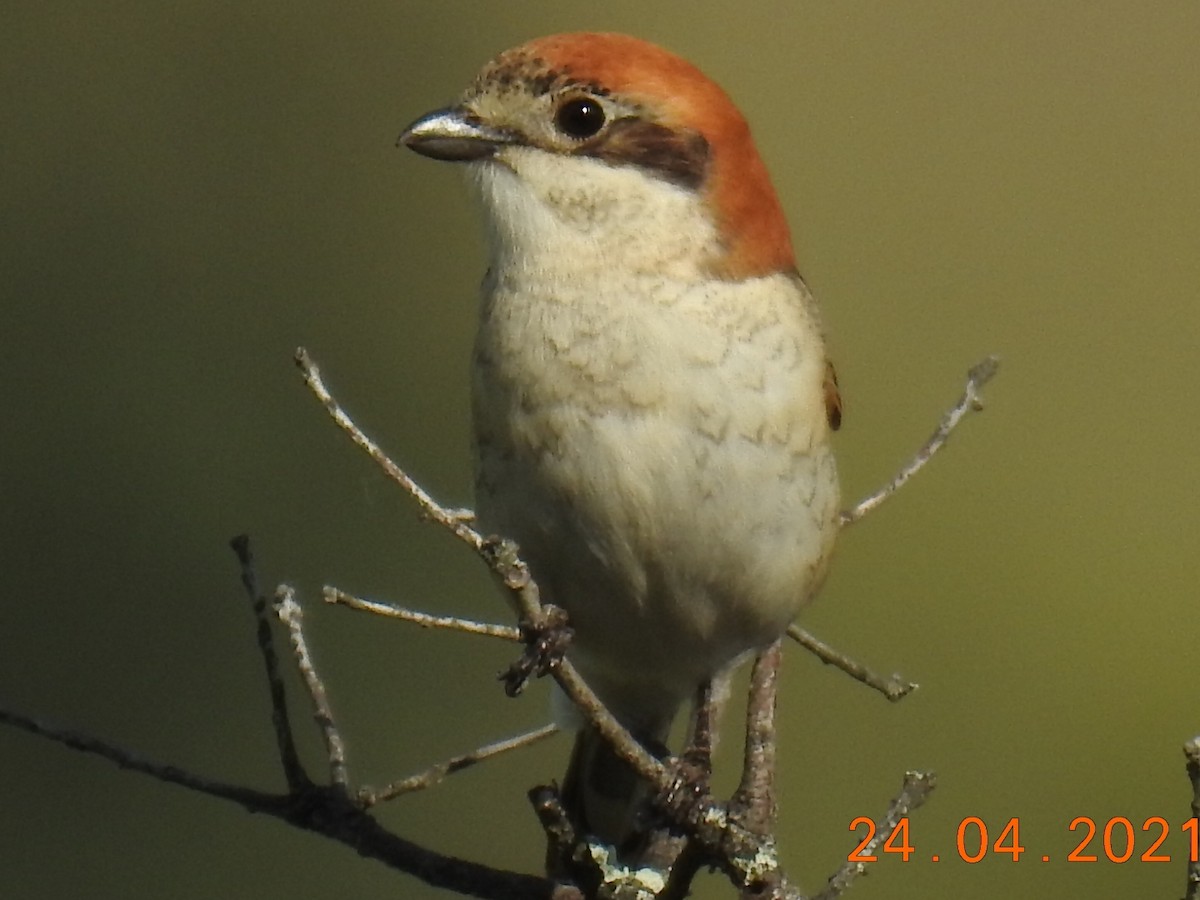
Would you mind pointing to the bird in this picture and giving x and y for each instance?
(651, 396)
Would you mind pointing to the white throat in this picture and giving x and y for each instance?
(564, 215)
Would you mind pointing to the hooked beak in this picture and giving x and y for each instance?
(454, 135)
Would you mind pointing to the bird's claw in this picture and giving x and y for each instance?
(546, 642)
(688, 792)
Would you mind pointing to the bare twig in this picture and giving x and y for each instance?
(756, 793)
(668, 848)
(717, 833)
(623, 743)
(703, 725)
(1191, 751)
(915, 791)
(737, 837)
(314, 808)
(979, 375)
(292, 616)
(425, 620)
(256, 801)
(368, 796)
(455, 520)
(285, 742)
(502, 558)
(753, 804)
(323, 809)
(894, 687)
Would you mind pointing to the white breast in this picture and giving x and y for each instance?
(654, 439)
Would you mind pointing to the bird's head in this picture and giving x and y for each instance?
(604, 146)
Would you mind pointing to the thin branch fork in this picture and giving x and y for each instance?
(737, 836)
(538, 625)
(327, 809)
(502, 559)
(538, 620)
(895, 687)
(289, 758)
(500, 556)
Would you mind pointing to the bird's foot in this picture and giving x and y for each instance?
(688, 794)
(545, 643)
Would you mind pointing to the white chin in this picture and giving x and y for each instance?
(546, 209)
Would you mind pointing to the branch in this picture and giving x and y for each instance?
(289, 758)
(744, 849)
(368, 797)
(329, 810)
(915, 791)
(756, 792)
(979, 375)
(737, 837)
(499, 555)
(292, 616)
(623, 743)
(542, 625)
(425, 620)
(1191, 751)
(255, 801)
(894, 687)
(753, 804)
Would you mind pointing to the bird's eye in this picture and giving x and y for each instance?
(580, 117)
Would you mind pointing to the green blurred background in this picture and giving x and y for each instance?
(190, 190)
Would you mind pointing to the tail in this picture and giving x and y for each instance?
(603, 796)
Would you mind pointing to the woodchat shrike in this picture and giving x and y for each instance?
(651, 395)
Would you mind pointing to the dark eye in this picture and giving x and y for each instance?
(580, 117)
